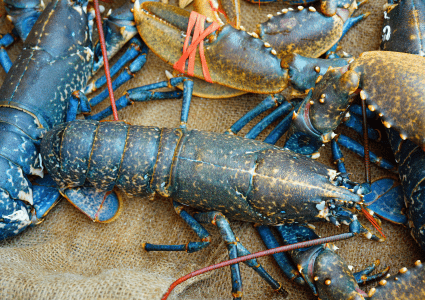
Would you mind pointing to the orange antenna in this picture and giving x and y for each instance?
(105, 59)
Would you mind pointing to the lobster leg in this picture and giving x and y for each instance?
(354, 122)
(347, 26)
(235, 250)
(126, 75)
(79, 102)
(281, 258)
(190, 247)
(138, 51)
(266, 104)
(23, 17)
(269, 102)
(234, 247)
(263, 124)
(357, 148)
(362, 276)
(142, 94)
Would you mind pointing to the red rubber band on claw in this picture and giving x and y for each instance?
(218, 10)
(198, 39)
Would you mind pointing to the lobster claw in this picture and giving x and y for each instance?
(160, 27)
(322, 110)
(333, 277)
(325, 272)
(100, 206)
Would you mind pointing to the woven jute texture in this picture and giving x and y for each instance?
(70, 257)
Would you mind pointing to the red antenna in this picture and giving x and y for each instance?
(105, 59)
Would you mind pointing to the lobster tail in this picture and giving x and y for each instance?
(27, 110)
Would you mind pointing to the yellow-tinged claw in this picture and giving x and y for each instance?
(319, 78)
(162, 27)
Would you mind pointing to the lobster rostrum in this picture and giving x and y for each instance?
(229, 51)
(62, 59)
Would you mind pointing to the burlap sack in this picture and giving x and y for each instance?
(70, 257)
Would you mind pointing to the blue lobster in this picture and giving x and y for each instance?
(63, 59)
